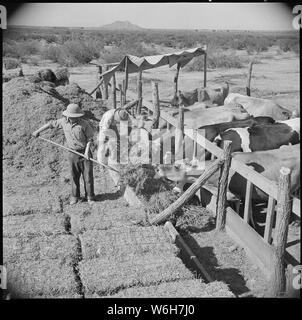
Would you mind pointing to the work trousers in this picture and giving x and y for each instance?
(78, 166)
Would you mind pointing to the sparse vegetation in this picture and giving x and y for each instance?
(72, 47)
(11, 63)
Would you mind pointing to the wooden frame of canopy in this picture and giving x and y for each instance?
(131, 64)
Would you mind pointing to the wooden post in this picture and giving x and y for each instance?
(248, 83)
(156, 107)
(113, 92)
(181, 124)
(126, 78)
(139, 92)
(281, 231)
(98, 92)
(179, 136)
(176, 80)
(205, 70)
(121, 94)
(270, 214)
(223, 186)
(124, 92)
(188, 194)
(247, 216)
(106, 94)
(168, 126)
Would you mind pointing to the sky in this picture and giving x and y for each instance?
(231, 16)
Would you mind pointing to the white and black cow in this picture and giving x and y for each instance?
(262, 137)
(259, 107)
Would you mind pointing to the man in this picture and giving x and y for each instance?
(109, 133)
(79, 137)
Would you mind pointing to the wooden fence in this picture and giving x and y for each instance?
(262, 250)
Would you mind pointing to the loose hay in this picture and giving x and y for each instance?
(104, 276)
(127, 243)
(19, 249)
(45, 278)
(33, 225)
(141, 177)
(195, 218)
(161, 201)
(26, 108)
(194, 288)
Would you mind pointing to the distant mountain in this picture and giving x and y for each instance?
(121, 25)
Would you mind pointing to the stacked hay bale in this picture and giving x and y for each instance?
(128, 256)
(192, 288)
(39, 253)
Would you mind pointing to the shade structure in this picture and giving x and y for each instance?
(136, 64)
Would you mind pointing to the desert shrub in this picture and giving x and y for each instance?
(72, 52)
(19, 49)
(32, 61)
(52, 52)
(11, 63)
(289, 45)
(135, 48)
(216, 58)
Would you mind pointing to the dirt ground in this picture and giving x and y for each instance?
(37, 214)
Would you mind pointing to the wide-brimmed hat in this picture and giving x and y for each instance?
(121, 115)
(73, 111)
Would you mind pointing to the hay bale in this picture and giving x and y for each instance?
(126, 243)
(46, 75)
(19, 249)
(194, 288)
(33, 225)
(44, 278)
(27, 204)
(62, 75)
(109, 214)
(104, 276)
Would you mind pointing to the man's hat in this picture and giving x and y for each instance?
(73, 111)
(121, 115)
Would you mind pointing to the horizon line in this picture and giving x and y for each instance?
(150, 28)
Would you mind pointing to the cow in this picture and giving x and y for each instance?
(210, 96)
(213, 131)
(259, 107)
(268, 163)
(199, 117)
(262, 137)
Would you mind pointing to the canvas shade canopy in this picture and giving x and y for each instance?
(135, 64)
